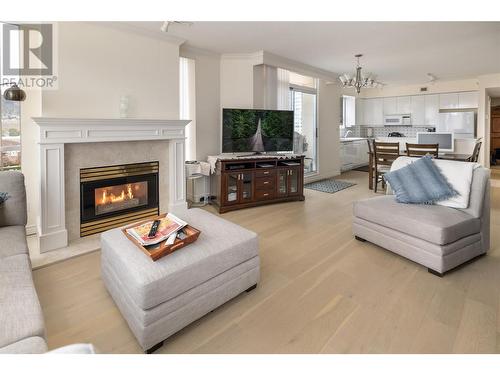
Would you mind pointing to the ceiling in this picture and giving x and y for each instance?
(396, 52)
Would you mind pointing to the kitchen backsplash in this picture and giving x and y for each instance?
(407, 131)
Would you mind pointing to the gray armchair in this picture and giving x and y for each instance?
(439, 238)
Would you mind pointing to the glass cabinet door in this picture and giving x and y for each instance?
(246, 186)
(282, 181)
(293, 181)
(232, 180)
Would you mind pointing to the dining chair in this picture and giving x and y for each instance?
(419, 150)
(384, 154)
(475, 153)
(371, 167)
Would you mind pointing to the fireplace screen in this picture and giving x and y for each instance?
(120, 197)
(115, 195)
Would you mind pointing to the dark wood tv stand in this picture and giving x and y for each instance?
(256, 180)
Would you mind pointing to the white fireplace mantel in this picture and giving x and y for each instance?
(56, 132)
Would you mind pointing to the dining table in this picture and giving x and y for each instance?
(445, 156)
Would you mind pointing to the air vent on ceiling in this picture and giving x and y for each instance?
(423, 89)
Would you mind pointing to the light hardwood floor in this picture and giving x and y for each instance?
(321, 292)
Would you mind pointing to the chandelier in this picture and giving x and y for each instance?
(359, 81)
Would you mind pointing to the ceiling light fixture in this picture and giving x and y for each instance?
(359, 80)
(431, 77)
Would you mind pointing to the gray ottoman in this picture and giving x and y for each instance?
(159, 298)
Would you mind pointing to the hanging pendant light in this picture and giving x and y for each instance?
(359, 81)
(14, 93)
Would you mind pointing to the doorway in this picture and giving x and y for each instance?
(495, 131)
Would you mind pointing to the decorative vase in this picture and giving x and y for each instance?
(124, 105)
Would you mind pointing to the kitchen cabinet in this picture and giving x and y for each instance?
(353, 154)
(459, 100)
(373, 112)
(431, 110)
(448, 101)
(397, 105)
(417, 110)
(390, 106)
(468, 99)
(360, 111)
(403, 104)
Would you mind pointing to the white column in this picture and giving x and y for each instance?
(176, 179)
(52, 233)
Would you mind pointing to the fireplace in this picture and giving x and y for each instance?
(113, 196)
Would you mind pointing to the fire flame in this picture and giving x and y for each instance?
(111, 198)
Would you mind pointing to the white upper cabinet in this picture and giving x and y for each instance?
(390, 106)
(378, 112)
(368, 112)
(417, 110)
(373, 112)
(404, 104)
(431, 110)
(448, 101)
(459, 100)
(468, 99)
(360, 120)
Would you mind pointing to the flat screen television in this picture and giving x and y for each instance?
(256, 130)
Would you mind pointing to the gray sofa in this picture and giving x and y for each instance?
(22, 328)
(440, 238)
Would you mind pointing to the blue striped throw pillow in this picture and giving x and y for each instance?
(420, 182)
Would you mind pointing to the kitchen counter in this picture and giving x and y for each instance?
(352, 139)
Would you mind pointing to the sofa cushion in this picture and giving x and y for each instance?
(221, 246)
(13, 211)
(30, 345)
(419, 182)
(21, 314)
(13, 241)
(437, 224)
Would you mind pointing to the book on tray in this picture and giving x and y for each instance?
(169, 225)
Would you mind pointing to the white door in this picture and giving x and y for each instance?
(431, 110)
(390, 106)
(418, 110)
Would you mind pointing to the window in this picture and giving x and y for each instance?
(348, 111)
(187, 102)
(303, 101)
(10, 124)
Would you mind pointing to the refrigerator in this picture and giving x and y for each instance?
(461, 123)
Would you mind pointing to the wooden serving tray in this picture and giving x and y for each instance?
(159, 250)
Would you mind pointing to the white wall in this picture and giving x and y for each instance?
(97, 65)
(208, 94)
(328, 128)
(31, 107)
(236, 81)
